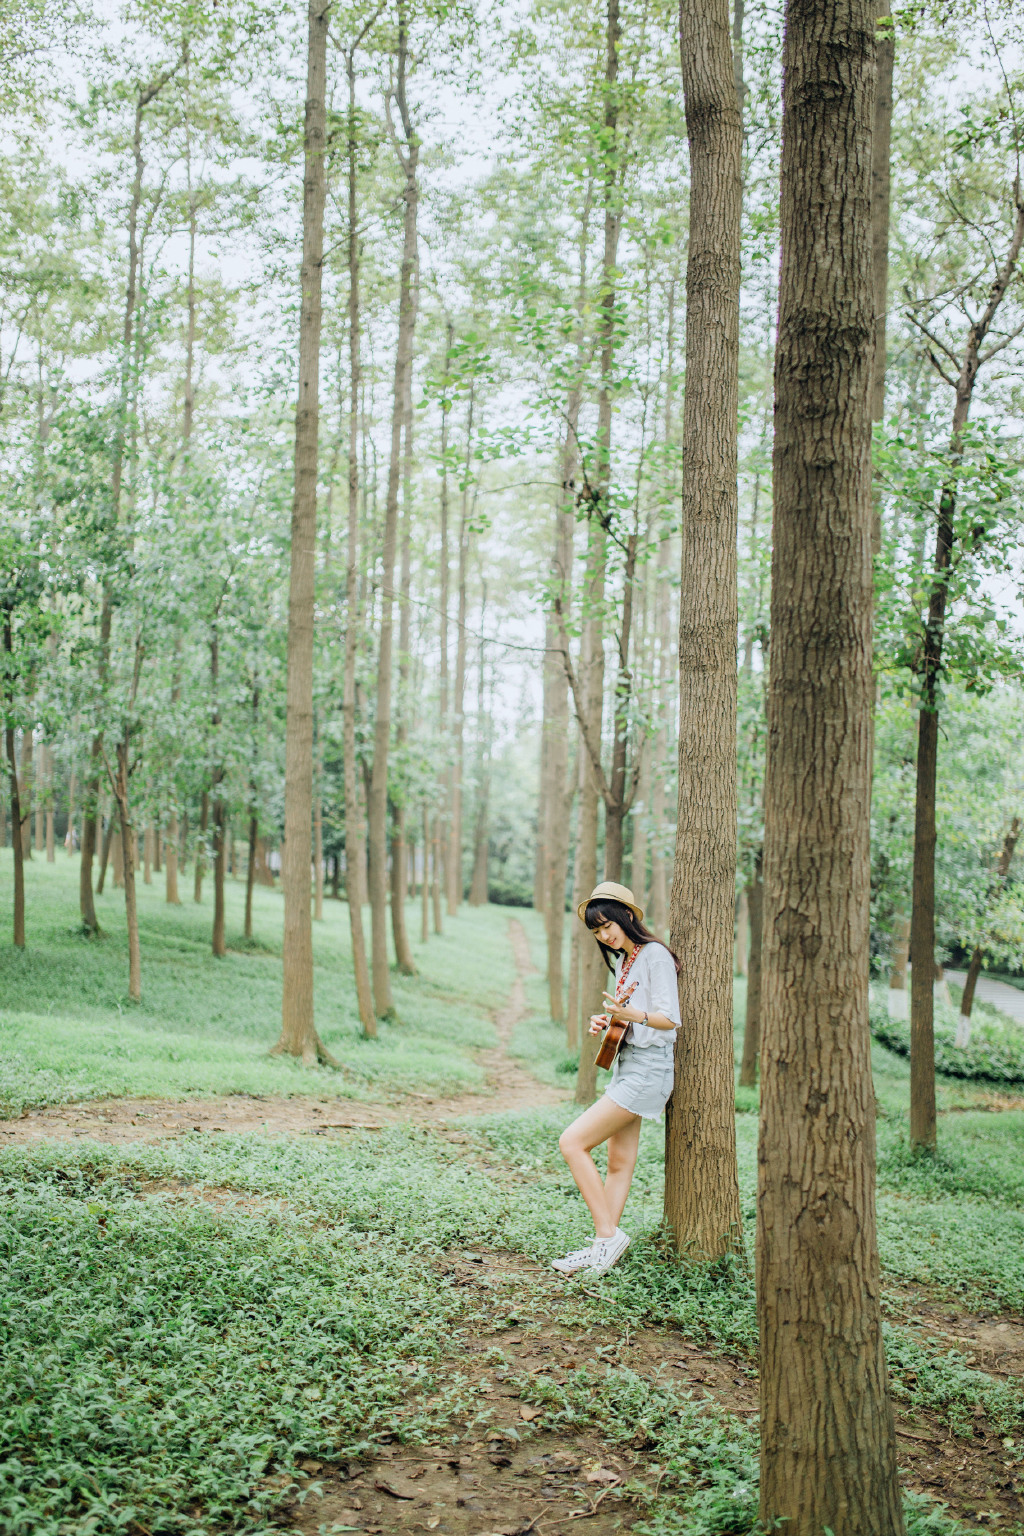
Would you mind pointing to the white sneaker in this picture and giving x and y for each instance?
(578, 1259)
(607, 1251)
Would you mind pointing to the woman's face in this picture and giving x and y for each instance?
(611, 935)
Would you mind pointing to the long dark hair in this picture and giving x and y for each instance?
(605, 911)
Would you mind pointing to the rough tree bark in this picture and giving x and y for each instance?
(298, 1031)
(354, 837)
(828, 1452)
(702, 1201)
(378, 797)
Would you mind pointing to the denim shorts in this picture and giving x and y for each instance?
(642, 1080)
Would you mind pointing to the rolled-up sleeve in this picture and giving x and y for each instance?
(660, 995)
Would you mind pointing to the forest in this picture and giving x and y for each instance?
(451, 457)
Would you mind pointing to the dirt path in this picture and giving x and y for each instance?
(509, 1087)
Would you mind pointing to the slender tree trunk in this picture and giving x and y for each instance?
(318, 848)
(250, 872)
(443, 832)
(27, 774)
(752, 1016)
(354, 837)
(702, 1201)
(436, 872)
(923, 1128)
(378, 798)
(127, 840)
(117, 856)
(900, 953)
(298, 1030)
(157, 852)
(69, 836)
(147, 856)
(171, 863)
(454, 860)
(51, 853)
(87, 905)
(559, 787)
(828, 1449)
(742, 933)
(592, 970)
(200, 865)
(400, 846)
(218, 940)
(963, 1029)
(478, 889)
(108, 837)
(425, 885)
(18, 847)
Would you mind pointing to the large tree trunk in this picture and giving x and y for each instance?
(354, 837)
(18, 935)
(752, 1015)
(827, 1437)
(298, 1031)
(702, 1199)
(378, 798)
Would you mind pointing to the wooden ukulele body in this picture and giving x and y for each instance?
(612, 1042)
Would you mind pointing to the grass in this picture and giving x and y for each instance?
(68, 1031)
(186, 1320)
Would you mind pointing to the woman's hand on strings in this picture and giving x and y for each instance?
(599, 1022)
(619, 1008)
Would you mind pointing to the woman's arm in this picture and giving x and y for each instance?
(636, 1015)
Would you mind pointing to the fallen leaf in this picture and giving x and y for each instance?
(601, 1475)
(432, 1525)
(530, 1413)
(383, 1486)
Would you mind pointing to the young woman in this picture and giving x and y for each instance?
(646, 995)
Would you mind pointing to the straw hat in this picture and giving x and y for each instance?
(609, 891)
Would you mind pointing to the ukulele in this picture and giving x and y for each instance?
(615, 1034)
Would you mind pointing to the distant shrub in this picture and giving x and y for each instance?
(509, 895)
(995, 1052)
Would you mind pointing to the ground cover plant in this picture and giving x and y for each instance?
(994, 1053)
(189, 1322)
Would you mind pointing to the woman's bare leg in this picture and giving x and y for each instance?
(596, 1124)
(623, 1147)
